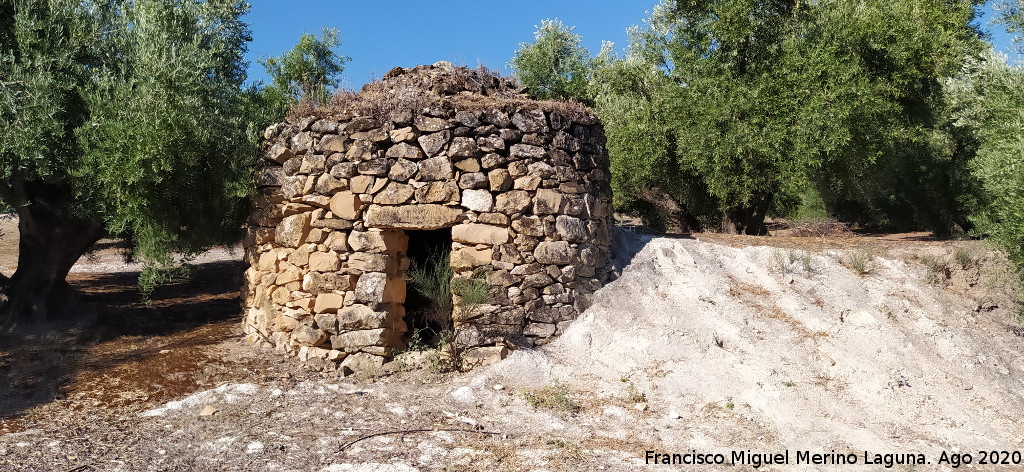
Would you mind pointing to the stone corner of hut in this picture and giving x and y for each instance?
(516, 189)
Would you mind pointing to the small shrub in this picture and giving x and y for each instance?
(433, 279)
(938, 268)
(965, 258)
(792, 256)
(416, 341)
(471, 291)
(782, 263)
(437, 282)
(447, 357)
(777, 263)
(442, 357)
(554, 397)
(633, 394)
(804, 258)
(806, 262)
(861, 262)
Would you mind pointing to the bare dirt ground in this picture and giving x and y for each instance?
(889, 344)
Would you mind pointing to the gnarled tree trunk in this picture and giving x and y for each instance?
(50, 244)
(748, 219)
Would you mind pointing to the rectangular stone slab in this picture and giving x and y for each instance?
(411, 216)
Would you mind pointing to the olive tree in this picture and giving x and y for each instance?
(998, 119)
(1010, 15)
(554, 66)
(735, 108)
(987, 99)
(308, 71)
(124, 118)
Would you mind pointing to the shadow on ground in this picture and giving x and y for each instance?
(628, 242)
(133, 355)
(40, 364)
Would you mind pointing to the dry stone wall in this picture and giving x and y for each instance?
(523, 185)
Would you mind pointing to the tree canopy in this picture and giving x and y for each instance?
(735, 108)
(124, 118)
(310, 70)
(554, 66)
(1010, 15)
(987, 102)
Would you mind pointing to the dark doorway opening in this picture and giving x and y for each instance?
(428, 298)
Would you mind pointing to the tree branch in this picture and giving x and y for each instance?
(7, 194)
(404, 431)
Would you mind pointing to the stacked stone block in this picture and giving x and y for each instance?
(523, 185)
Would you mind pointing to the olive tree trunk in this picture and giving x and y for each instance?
(50, 244)
(748, 219)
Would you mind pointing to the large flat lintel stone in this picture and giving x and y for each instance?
(425, 216)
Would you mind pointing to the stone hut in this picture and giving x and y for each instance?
(434, 158)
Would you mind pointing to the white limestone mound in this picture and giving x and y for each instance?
(749, 348)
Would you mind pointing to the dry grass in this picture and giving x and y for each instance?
(939, 270)
(737, 288)
(782, 262)
(553, 397)
(403, 93)
(819, 227)
(861, 262)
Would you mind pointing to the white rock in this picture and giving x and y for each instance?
(464, 395)
(477, 200)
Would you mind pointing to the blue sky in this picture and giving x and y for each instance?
(383, 34)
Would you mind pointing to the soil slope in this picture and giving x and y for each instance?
(770, 349)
